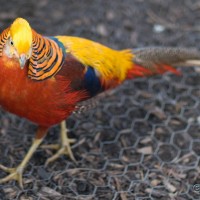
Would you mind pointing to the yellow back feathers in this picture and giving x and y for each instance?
(110, 63)
(21, 35)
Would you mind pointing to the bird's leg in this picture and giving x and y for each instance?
(63, 148)
(16, 173)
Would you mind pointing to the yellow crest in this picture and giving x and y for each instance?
(21, 35)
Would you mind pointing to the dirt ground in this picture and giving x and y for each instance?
(143, 140)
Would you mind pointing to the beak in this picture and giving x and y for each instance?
(22, 60)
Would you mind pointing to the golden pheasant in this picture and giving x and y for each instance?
(44, 78)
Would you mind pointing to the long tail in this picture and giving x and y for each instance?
(158, 60)
(146, 62)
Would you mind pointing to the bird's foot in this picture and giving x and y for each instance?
(14, 174)
(63, 149)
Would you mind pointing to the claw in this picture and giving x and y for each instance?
(14, 174)
(62, 149)
(50, 146)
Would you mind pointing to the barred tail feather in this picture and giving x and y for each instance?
(166, 55)
(158, 60)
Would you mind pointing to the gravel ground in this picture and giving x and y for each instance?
(140, 142)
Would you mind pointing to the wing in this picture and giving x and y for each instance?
(92, 66)
(81, 76)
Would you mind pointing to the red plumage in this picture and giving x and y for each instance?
(140, 71)
(45, 102)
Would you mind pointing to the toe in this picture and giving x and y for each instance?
(7, 169)
(15, 175)
(69, 152)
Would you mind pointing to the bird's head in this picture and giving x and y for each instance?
(19, 45)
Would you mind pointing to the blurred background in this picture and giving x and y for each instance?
(143, 140)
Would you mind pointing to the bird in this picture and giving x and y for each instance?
(44, 78)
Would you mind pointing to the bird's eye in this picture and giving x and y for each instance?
(11, 42)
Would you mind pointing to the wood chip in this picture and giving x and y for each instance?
(46, 191)
(145, 150)
(11, 192)
(146, 140)
(170, 187)
(155, 182)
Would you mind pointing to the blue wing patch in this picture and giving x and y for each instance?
(92, 82)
